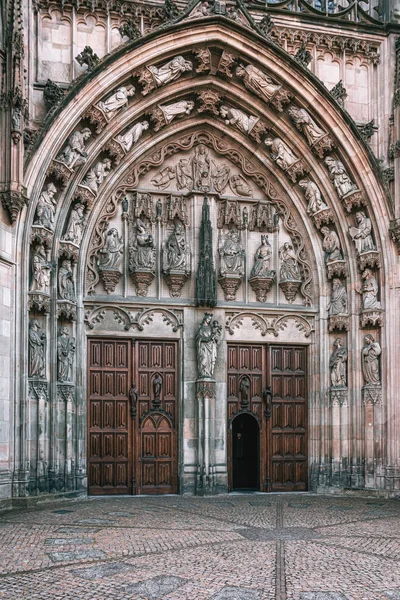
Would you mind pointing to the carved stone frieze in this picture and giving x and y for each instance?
(66, 309)
(267, 324)
(13, 202)
(203, 56)
(226, 63)
(338, 323)
(208, 101)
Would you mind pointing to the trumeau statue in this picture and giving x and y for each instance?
(338, 301)
(237, 118)
(176, 251)
(231, 254)
(208, 338)
(306, 124)
(76, 225)
(110, 255)
(256, 81)
(66, 286)
(170, 111)
(129, 139)
(142, 254)
(65, 355)
(361, 235)
(46, 208)
(170, 71)
(370, 360)
(281, 153)
(313, 196)
(116, 101)
(331, 245)
(95, 177)
(338, 174)
(262, 260)
(290, 270)
(338, 363)
(40, 270)
(74, 154)
(36, 350)
(370, 291)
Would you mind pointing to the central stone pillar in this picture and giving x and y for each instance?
(205, 393)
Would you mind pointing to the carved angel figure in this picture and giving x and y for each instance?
(339, 176)
(46, 208)
(239, 186)
(36, 350)
(262, 260)
(361, 235)
(313, 196)
(256, 81)
(74, 153)
(129, 139)
(110, 255)
(208, 338)
(331, 245)
(237, 118)
(201, 167)
(65, 355)
(170, 71)
(40, 270)
(141, 252)
(337, 364)
(290, 270)
(306, 124)
(176, 252)
(66, 286)
(164, 177)
(370, 360)
(220, 177)
(338, 301)
(281, 153)
(76, 225)
(370, 291)
(183, 174)
(116, 101)
(231, 254)
(95, 177)
(170, 111)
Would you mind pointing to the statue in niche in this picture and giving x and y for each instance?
(170, 71)
(338, 301)
(36, 350)
(110, 255)
(183, 174)
(256, 81)
(338, 363)
(370, 360)
(170, 111)
(331, 245)
(76, 225)
(220, 177)
(116, 101)
(313, 196)
(157, 387)
(142, 251)
(66, 286)
(281, 153)
(133, 397)
(65, 355)
(361, 235)
(208, 338)
(306, 124)
(40, 270)
(201, 167)
(231, 254)
(338, 174)
(176, 255)
(290, 270)
(46, 208)
(129, 139)
(369, 291)
(244, 388)
(240, 186)
(95, 177)
(262, 260)
(74, 154)
(164, 178)
(237, 118)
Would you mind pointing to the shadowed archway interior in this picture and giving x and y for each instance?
(245, 453)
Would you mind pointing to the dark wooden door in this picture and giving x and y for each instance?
(109, 442)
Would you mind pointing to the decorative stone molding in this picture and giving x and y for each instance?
(38, 390)
(339, 323)
(338, 396)
(209, 101)
(268, 324)
(371, 318)
(352, 200)
(97, 314)
(303, 56)
(203, 56)
(68, 250)
(290, 289)
(142, 280)
(206, 388)
(322, 217)
(394, 230)
(41, 235)
(367, 130)
(39, 301)
(66, 309)
(145, 317)
(372, 259)
(336, 268)
(230, 283)
(13, 202)
(261, 287)
(66, 392)
(226, 63)
(371, 394)
(110, 279)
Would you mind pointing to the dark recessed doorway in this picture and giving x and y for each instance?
(245, 453)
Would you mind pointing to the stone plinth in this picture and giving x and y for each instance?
(336, 268)
(39, 301)
(339, 323)
(372, 318)
(110, 279)
(261, 286)
(230, 284)
(371, 394)
(175, 281)
(290, 289)
(142, 280)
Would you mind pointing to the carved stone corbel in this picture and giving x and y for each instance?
(203, 56)
(371, 318)
(66, 392)
(323, 216)
(85, 195)
(41, 235)
(13, 202)
(209, 101)
(261, 286)
(38, 390)
(258, 130)
(115, 150)
(336, 268)
(226, 63)
(230, 284)
(297, 170)
(175, 281)
(372, 259)
(146, 79)
(394, 230)
(323, 145)
(39, 301)
(371, 394)
(338, 396)
(60, 171)
(290, 289)
(68, 250)
(352, 200)
(96, 117)
(110, 279)
(338, 323)
(142, 280)
(66, 309)
(281, 98)
(158, 118)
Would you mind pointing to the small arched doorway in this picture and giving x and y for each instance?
(245, 453)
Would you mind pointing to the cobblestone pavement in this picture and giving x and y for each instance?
(236, 547)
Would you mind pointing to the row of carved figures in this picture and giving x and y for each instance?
(66, 348)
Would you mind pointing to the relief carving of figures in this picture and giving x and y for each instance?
(170, 111)
(66, 286)
(95, 177)
(170, 71)
(339, 176)
(231, 254)
(76, 225)
(262, 260)
(313, 196)
(240, 186)
(110, 255)
(36, 350)
(129, 139)
(338, 364)
(237, 118)
(142, 254)
(256, 81)
(281, 153)
(331, 245)
(183, 174)
(338, 301)
(369, 291)
(306, 124)
(65, 355)
(290, 270)
(201, 168)
(176, 252)
(220, 177)
(74, 154)
(370, 360)
(361, 235)
(208, 338)
(116, 101)
(164, 178)
(40, 270)
(46, 208)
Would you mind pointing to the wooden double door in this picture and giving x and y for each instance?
(132, 416)
(267, 417)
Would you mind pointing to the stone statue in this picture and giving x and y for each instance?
(313, 196)
(74, 154)
(231, 254)
(306, 124)
(208, 338)
(256, 81)
(170, 71)
(157, 387)
(176, 254)
(110, 255)
(331, 245)
(338, 363)
(361, 235)
(290, 270)
(240, 186)
(95, 177)
(36, 350)
(262, 259)
(142, 252)
(338, 174)
(201, 167)
(338, 301)
(76, 225)
(244, 388)
(237, 118)
(66, 286)
(65, 355)
(129, 139)
(370, 360)
(40, 270)
(170, 111)
(370, 291)
(281, 153)
(46, 208)
(116, 101)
